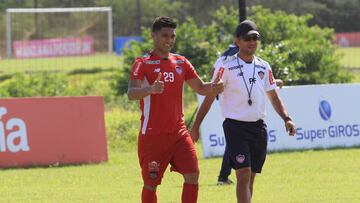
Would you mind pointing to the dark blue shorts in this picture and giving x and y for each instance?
(247, 142)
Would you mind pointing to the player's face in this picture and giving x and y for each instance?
(248, 43)
(164, 39)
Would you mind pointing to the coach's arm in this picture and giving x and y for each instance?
(280, 109)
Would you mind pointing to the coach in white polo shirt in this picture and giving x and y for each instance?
(247, 80)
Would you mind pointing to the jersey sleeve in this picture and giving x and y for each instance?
(190, 72)
(270, 83)
(137, 72)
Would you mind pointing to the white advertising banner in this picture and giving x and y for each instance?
(326, 116)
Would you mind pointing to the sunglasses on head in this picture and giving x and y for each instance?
(250, 37)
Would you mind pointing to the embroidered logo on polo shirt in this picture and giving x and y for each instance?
(240, 158)
(261, 74)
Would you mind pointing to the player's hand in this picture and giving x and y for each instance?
(290, 127)
(194, 133)
(218, 85)
(158, 86)
(279, 83)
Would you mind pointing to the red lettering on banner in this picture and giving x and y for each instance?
(53, 47)
(52, 130)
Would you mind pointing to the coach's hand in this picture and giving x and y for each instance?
(290, 127)
(158, 86)
(194, 133)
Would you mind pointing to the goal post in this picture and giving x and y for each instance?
(11, 11)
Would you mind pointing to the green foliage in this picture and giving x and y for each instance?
(122, 128)
(56, 84)
(340, 15)
(298, 53)
(39, 84)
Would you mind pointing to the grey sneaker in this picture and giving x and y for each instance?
(222, 181)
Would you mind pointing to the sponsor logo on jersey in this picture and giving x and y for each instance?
(261, 74)
(178, 61)
(153, 62)
(235, 67)
(258, 66)
(179, 70)
(240, 158)
(156, 70)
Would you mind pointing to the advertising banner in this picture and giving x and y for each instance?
(53, 47)
(326, 116)
(52, 131)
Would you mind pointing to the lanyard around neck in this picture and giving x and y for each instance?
(252, 81)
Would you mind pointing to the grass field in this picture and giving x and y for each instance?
(351, 57)
(61, 63)
(308, 176)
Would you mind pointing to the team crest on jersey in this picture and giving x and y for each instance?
(153, 168)
(240, 158)
(153, 62)
(156, 70)
(179, 70)
(261, 74)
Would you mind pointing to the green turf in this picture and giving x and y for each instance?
(307, 176)
(350, 57)
(61, 63)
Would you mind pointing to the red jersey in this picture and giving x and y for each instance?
(162, 113)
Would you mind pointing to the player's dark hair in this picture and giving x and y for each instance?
(163, 21)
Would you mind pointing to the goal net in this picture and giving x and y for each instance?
(58, 32)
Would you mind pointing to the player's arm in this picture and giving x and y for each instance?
(137, 92)
(280, 109)
(204, 88)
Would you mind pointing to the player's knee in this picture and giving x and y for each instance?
(243, 175)
(191, 178)
(150, 187)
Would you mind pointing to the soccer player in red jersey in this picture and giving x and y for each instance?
(157, 81)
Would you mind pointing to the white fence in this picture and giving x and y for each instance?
(326, 116)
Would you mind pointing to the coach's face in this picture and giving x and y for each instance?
(248, 43)
(164, 39)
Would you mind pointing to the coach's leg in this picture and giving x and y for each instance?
(148, 194)
(190, 188)
(243, 177)
(252, 182)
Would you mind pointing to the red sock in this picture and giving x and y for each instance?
(148, 196)
(190, 193)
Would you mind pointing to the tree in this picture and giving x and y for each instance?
(298, 53)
